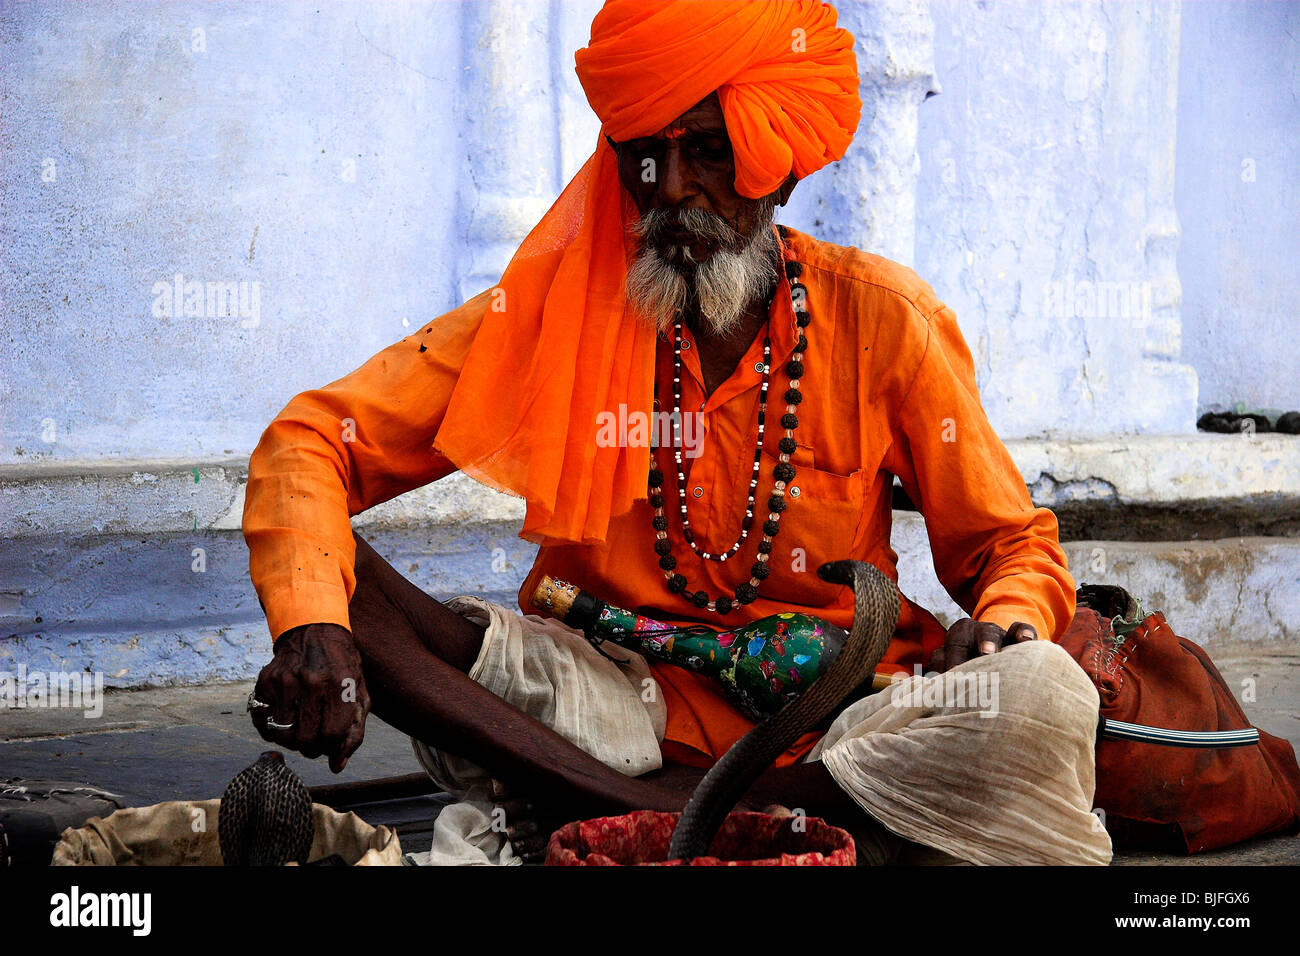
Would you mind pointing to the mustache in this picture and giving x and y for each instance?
(660, 224)
(720, 288)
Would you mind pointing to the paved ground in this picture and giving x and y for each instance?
(187, 742)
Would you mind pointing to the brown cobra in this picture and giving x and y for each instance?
(875, 613)
(265, 816)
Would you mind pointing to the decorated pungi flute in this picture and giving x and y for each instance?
(760, 665)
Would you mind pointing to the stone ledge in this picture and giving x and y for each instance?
(1160, 469)
(155, 497)
(1243, 591)
(1166, 488)
(1140, 488)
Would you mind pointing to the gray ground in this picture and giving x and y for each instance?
(187, 742)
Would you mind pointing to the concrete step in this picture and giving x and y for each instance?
(137, 571)
(1230, 591)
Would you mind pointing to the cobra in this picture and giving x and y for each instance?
(265, 816)
(875, 613)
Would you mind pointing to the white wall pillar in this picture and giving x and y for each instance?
(868, 199)
(520, 126)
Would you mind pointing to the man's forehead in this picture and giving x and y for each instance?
(705, 116)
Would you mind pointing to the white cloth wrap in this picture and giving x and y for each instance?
(1012, 787)
(549, 671)
(1006, 782)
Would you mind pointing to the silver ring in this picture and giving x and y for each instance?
(254, 703)
(272, 725)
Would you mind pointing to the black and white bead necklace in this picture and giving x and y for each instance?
(783, 473)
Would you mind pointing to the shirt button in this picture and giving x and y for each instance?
(698, 491)
(686, 345)
(758, 367)
(794, 491)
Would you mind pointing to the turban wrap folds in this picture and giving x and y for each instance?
(559, 343)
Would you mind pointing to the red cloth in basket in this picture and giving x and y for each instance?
(745, 839)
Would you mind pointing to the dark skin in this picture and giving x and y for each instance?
(407, 655)
(693, 168)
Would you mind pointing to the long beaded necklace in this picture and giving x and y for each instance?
(783, 472)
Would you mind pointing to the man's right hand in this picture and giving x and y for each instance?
(314, 685)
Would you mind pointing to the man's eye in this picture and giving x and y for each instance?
(712, 152)
(645, 148)
(703, 150)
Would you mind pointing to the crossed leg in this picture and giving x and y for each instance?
(416, 653)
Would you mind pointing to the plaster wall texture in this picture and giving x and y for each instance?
(1045, 212)
(357, 170)
(344, 165)
(868, 198)
(1238, 195)
(1236, 590)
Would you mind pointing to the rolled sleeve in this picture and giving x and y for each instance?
(997, 555)
(336, 451)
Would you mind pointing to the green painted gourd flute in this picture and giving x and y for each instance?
(760, 665)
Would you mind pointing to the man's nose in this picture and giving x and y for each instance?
(676, 181)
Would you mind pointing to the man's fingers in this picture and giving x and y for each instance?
(356, 733)
(517, 808)
(528, 838)
(988, 637)
(271, 690)
(969, 639)
(958, 645)
(284, 716)
(339, 715)
(308, 736)
(517, 832)
(527, 831)
(262, 698)
(353, 707)
(1020, 632)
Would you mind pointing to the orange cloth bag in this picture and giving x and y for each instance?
(1169, 797)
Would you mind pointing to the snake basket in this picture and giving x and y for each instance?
(745, 839)
(184, 833)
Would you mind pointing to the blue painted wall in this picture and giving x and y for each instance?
(1238, 195)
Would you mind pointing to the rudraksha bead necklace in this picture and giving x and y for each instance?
(783, 473)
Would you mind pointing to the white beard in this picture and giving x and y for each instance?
(721, 288)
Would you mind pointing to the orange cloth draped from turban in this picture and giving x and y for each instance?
(559, 343)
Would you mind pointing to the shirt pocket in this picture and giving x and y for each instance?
(824, 516)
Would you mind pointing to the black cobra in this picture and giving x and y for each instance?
(875, 613)
(265, 818)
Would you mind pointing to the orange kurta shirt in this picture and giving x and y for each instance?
(888, 390)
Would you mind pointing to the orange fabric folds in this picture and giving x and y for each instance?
(785, 74)
(787, 81)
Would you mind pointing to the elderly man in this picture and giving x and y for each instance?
(812, 374)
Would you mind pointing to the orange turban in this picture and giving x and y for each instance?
(559, 343)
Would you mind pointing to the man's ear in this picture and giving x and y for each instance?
(786, 188)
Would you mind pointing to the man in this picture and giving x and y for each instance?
(814, 373)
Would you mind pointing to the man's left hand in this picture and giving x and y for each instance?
(967, 640)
